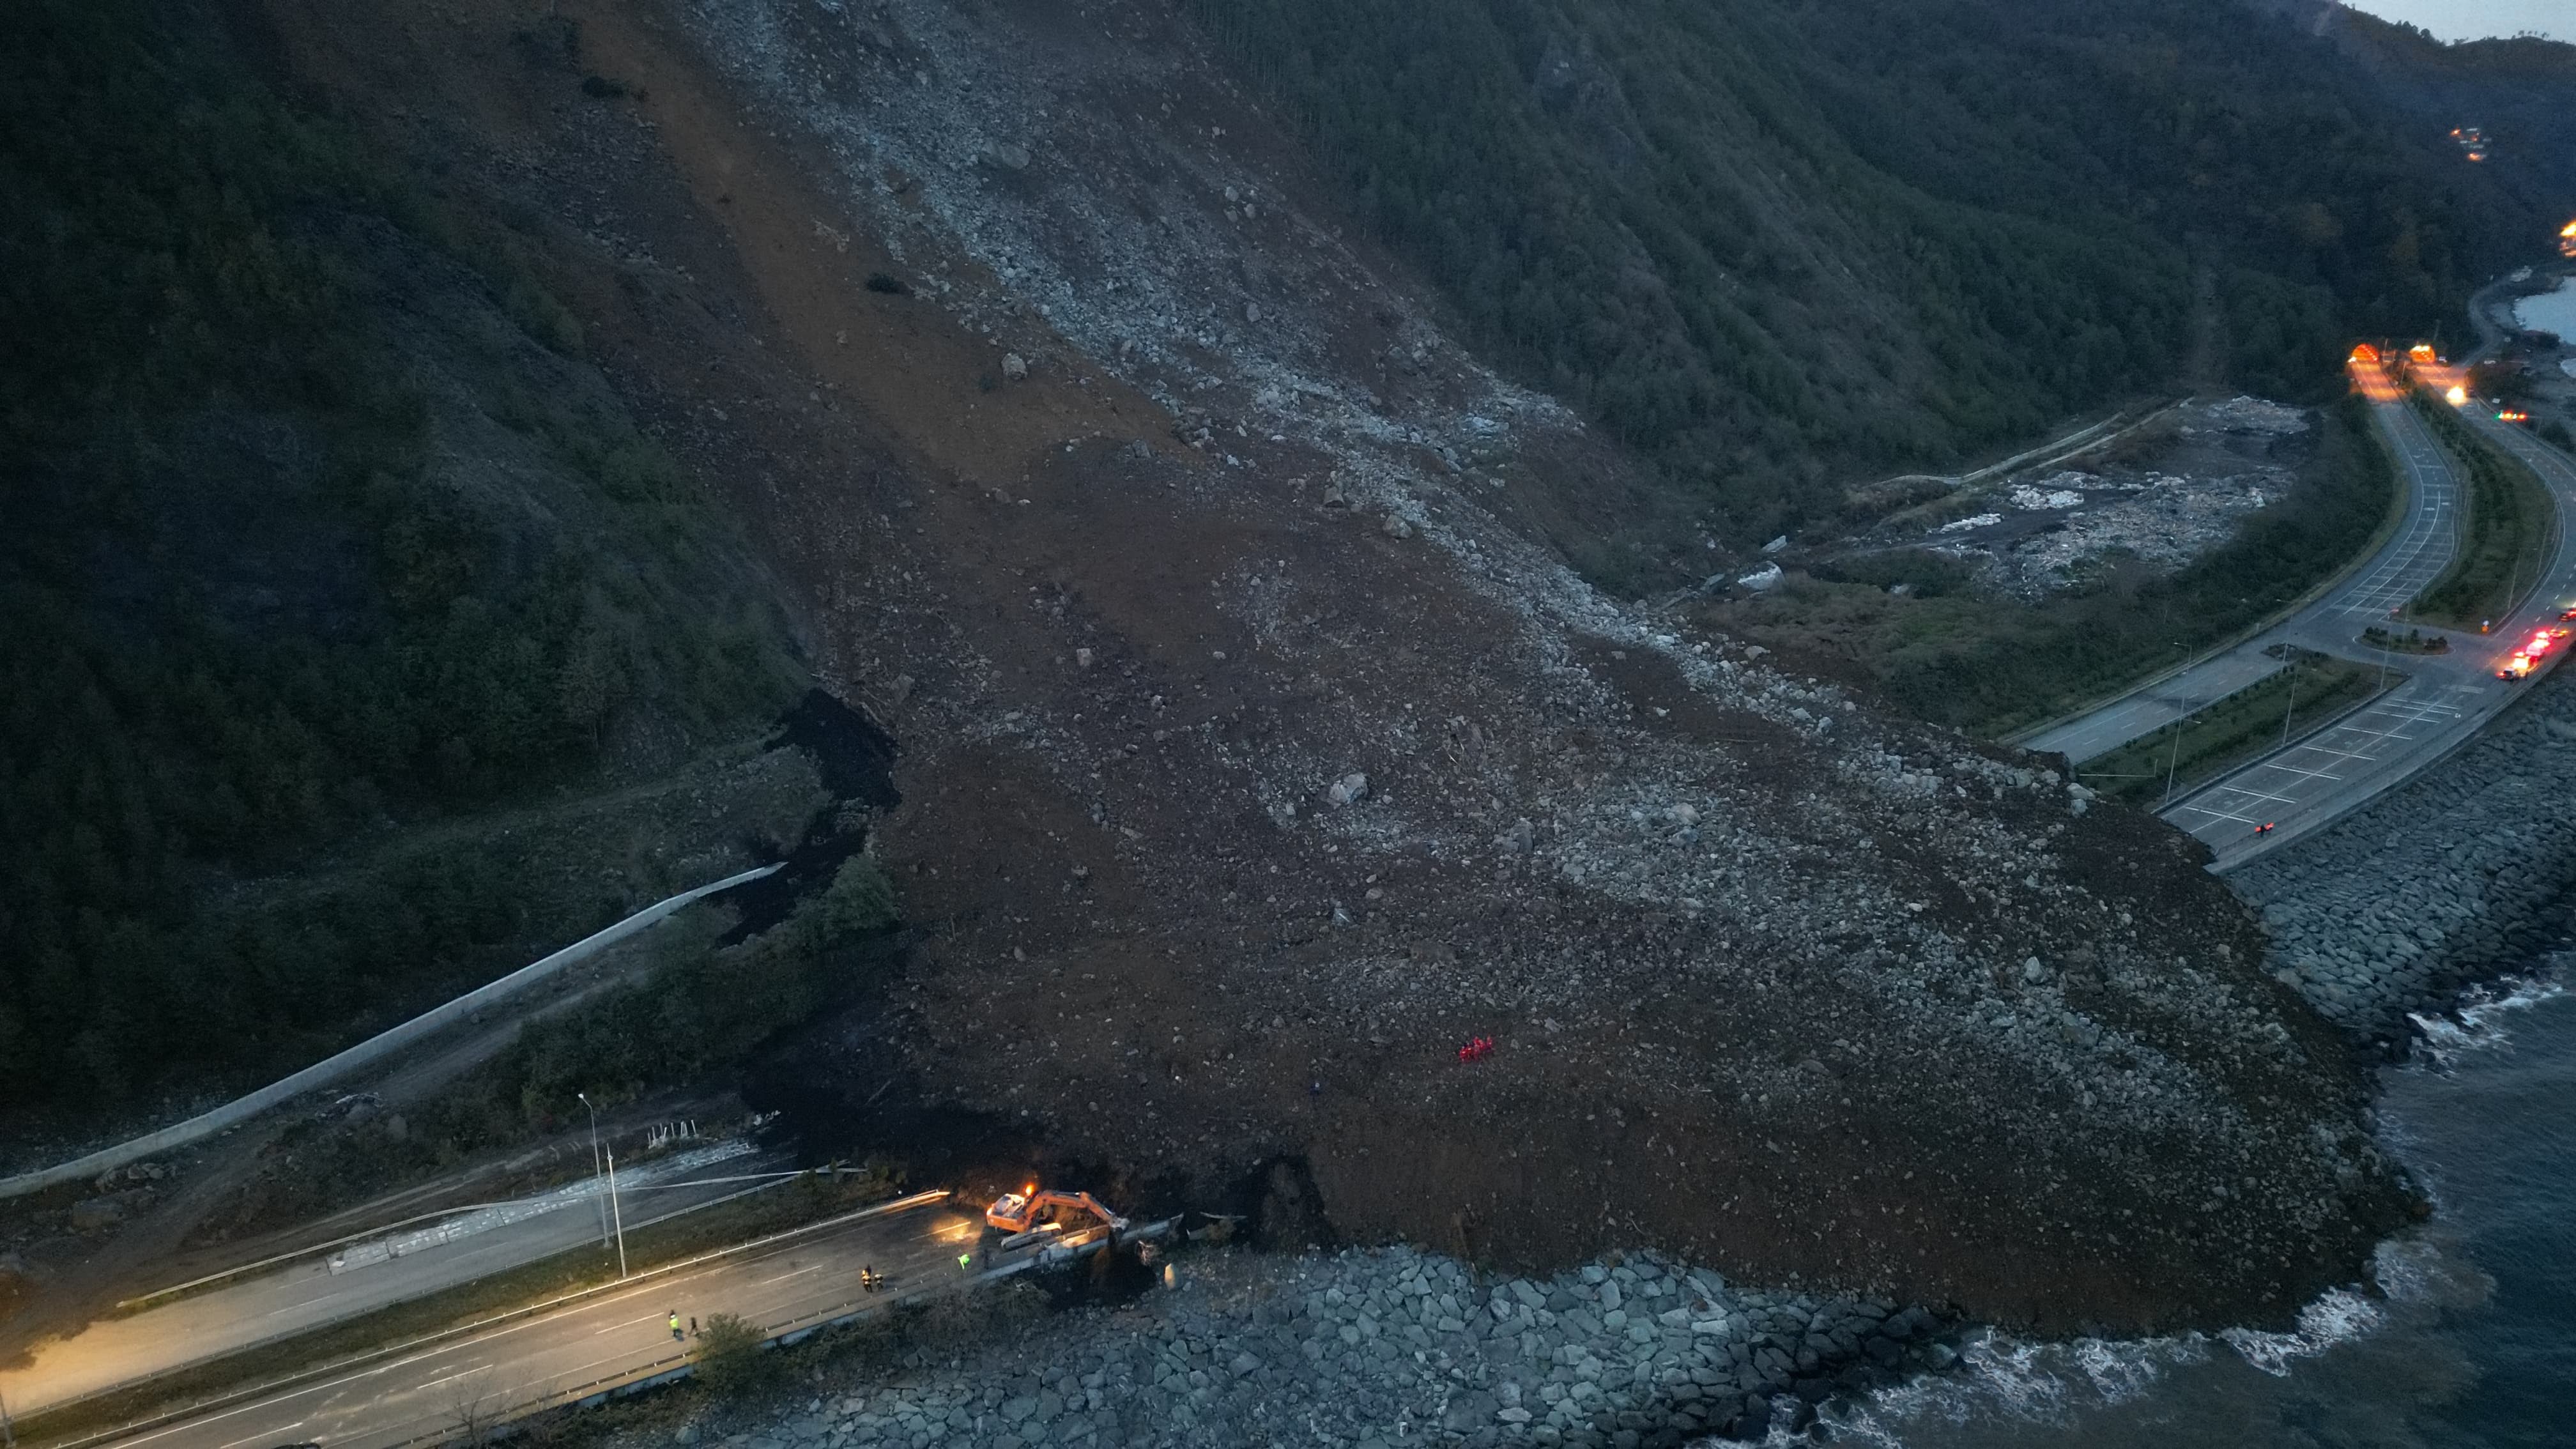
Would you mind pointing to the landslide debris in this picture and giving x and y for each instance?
(1257, 750)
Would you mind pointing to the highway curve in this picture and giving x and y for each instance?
(2445, 699)
(2413, 557)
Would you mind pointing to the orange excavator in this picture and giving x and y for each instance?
(1023, 1211)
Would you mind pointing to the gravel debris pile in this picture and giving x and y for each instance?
(1375, 1349)
(2219, 462)
(1232, 809)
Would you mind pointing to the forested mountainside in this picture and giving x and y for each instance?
(317, 526)
(2520, 92)
(1780, 247)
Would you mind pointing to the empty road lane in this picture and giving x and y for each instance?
(320, 1290)
(617, 1336)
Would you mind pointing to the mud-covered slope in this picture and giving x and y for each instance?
(1151, 516)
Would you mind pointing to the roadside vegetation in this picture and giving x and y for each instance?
(1948, 651)
(2218, 737)
(320, 530)
(731, 1360)
(2413, 641)
(700, 1010)
(2505, 528)
(1778, 249)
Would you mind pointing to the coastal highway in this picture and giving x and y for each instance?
(2414, 555)
(325, 1288)
(2446, 699)
(611, 1337)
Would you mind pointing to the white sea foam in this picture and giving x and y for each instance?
(2003, 1378)
(2338, 1316)
(2429, 1273)
(2478, 1023)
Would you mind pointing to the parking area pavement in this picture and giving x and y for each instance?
(2333, 769)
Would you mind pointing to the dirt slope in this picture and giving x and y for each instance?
(1791, 988)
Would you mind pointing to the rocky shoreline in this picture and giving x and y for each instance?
(2430, 887)
(1372, 1348)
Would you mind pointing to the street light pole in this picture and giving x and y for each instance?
(2181, 710)
(594, 1165)
(613, 1212)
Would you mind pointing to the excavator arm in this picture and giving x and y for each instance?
(1017, 1212)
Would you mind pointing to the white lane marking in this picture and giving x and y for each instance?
(466, 1372)
(272, 1435)
(2232, 816)
(331, 1389)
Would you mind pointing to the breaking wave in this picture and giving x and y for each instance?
(2003, 1377)
(2338, 1316)
(2478, 1023)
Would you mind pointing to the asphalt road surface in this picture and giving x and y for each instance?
(308, 1294)
(2445, 700)
(615, 1337)
(2413, 556)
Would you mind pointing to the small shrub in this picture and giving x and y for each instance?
(600, 87)
(730, 1358)
(859, 902)
(892, 286)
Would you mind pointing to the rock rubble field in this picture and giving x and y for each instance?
(1260, 746)
(2393, 908)
(2173, 495)
(1258, 754)
(1373, 1349)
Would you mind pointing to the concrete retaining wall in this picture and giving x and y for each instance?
(366, 1053)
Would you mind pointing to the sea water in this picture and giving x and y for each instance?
(2465, 1337)
(2550, 311)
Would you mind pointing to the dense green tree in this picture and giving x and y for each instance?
(248, 617)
